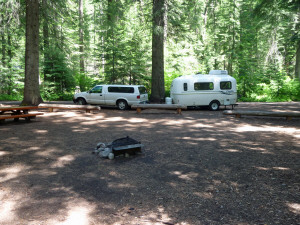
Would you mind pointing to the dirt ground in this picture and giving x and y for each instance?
(200, 167)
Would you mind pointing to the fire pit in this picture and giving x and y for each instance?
(124, 146)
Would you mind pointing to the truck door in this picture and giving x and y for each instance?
(96, 95)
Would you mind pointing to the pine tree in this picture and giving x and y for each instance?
(158, 87)
(32, 90)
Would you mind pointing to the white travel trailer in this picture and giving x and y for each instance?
(214, 89)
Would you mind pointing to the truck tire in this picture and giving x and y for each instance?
(214, 105)
(122, 104)
(81, 101)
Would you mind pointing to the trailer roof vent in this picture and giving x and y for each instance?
(218, 72)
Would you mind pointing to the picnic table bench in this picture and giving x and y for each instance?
(17, 112)
(239, 113)
(139, 107)
(87, 108)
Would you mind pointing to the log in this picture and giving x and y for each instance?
(139, 107)
(158, 106)
(239, 113)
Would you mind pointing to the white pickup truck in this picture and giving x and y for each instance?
(122, 96)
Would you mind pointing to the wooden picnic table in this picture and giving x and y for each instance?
(16, 112)
(87, 108)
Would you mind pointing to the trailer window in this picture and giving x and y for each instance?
(185, 86)
(225, 85)
(203, 86)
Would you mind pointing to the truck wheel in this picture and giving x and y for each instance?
(122, 105)
(214, 105)
(81, 101)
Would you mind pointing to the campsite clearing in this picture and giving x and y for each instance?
(201, 167)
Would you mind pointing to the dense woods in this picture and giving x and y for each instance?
(150, 42)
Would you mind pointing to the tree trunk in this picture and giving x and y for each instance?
(297, 66)
(233, 32)
(32, 94)
(81, 50)
(111, 55)
(46, 40)
(3, 50)
(158, 86)
(9, 55)
(3, 41)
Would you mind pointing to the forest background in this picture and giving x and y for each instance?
(88, 42)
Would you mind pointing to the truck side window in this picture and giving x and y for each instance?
(185, 86)
(225, 85)
(203, 86)
(121, 89)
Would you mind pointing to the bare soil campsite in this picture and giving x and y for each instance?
(200, 167)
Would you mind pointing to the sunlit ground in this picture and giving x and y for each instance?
(198, 168)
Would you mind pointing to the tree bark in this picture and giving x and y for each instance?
(81, 50)
(3, 42)
(46, 39)
(111, 56)
(297, 66)
(158, 83)
(32, 94)
(9, 54)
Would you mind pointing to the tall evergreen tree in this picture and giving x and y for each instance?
(45, 16)
(81, 42)
(158, 86)
(297, 40)
(247, 53)
(266, 9)
(32, 90)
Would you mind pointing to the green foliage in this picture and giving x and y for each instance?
(281, 90)
(255, 41)
(59, 79)
(49, 95)
(14, 97)
(168, 81)
(84, 82)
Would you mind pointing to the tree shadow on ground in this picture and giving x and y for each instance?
(199, 168)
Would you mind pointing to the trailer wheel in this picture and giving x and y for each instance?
(214, 105)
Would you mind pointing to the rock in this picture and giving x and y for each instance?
(101, 145)
(111, 156)
(105, 152)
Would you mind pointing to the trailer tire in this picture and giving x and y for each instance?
(214, 105)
